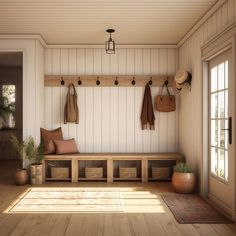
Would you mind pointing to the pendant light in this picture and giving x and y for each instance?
(110, 44)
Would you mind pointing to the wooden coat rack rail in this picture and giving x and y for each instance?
(106, 80)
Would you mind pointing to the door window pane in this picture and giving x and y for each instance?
(221, 76)
(226, 74)
(214, 133)
(222, 163)
(214, 158)
(214, 105)
(221, 104)
(214, 79)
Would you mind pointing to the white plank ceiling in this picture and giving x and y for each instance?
(85, 21)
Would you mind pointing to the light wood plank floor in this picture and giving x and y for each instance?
(138, 220)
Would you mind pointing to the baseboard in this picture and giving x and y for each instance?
(220, 206)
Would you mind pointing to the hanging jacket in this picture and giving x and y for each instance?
(147, 114)
(71, 111)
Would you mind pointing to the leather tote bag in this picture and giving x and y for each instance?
(165, 103)
(71, 111)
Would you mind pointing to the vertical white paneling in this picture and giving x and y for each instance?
(171, 116)
(105, 122)
(72, 70)
(122, 96)
(97, 119)
(56, 91)
(48, 91)
(106, 119)
(138, 138)
(114, 119)
(163, 126)
(130, 102)
(81, 101)
(146, 65)
(109, 117)
(89, 98)
(114, 108)
(138, 96)
(89, 126)
(155, 90)
(64, 69)
(230, 10)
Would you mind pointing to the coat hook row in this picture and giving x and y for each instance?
(106, 80)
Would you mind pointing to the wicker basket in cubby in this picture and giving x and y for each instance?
(60, 172)
(160, 172)
(127, 172)
(93, 172)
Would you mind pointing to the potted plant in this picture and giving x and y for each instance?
(21, 176)
(35, 154)
(183, 179)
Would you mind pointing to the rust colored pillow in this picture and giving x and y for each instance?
(47, 136)
(65, 146)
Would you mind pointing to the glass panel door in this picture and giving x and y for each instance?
(219, 120)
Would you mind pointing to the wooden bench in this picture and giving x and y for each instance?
(109, 159)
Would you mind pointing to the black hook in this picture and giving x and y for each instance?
(116, 81)
(150, 81)
(79, 81)
(133, 81)
(166, 82)
(62, 81)
(98, 81)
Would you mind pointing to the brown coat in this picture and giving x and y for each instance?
(147, 115)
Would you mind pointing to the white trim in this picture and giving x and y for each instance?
(208, 14)
(46, 45)
(221, 206)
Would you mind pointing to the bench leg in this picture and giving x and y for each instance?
(44, 171)
(144, 170)
(109, 170)
(74, 171)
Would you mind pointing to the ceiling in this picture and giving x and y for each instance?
(85, 21)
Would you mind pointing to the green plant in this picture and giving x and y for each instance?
(18, 146)
(183, 168)
(28, 149)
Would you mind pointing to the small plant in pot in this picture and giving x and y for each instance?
(183, 179)
(35, 154)
(21, 176)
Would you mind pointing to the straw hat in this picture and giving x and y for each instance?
(181, 78)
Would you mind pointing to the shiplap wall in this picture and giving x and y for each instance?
(110, 116)
(190, 111)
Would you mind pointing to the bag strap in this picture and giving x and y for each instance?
(74, 90)
(165, 84)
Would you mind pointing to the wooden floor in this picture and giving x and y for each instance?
(142, 222)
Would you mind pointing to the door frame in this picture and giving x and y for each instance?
(209, 51)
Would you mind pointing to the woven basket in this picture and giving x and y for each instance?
(160, 172)
(60, 172)
(128, 172)
(93, 172)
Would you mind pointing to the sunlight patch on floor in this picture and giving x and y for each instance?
(86, 199)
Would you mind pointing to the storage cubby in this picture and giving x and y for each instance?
(160, 165)
(83, 164)
(57, 164)
(126, 164)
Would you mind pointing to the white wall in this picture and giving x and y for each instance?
(190, 108)
(110, 116)
(33, 77)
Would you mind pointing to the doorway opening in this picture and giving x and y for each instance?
(11, 106)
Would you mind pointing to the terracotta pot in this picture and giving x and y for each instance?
(184, 182)
(21, 177)
(36, 174)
